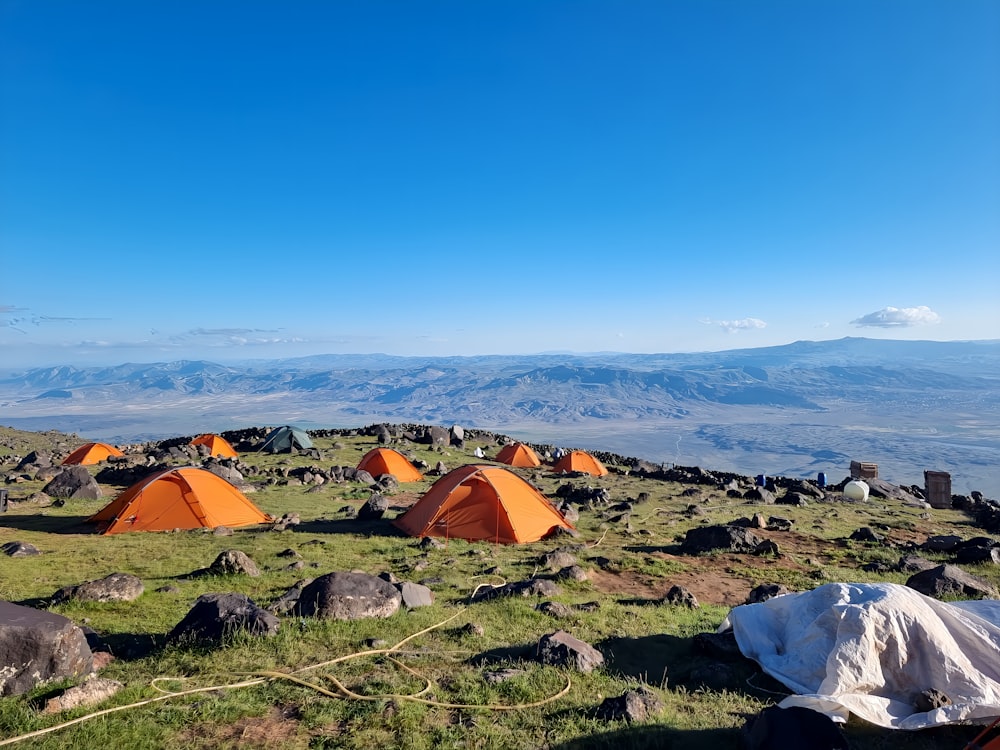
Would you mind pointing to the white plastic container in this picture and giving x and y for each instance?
(856, 490)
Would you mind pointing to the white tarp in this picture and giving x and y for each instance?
(870, 649)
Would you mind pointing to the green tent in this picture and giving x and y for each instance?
(285, 439)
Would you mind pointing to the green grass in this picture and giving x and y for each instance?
(644, 642)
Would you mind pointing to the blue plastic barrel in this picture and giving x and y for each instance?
(761, 480)
(821, 479)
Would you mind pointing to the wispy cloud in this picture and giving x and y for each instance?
(732, 326)
(898, 317)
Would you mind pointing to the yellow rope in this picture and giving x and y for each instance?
(261, 678)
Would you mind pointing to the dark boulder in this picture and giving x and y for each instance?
(950, 580)
(117, 587)
(37, 647)
(729, 538)
(74, 483)
(348, 596)
(560, 649)
(217, 616)
(632, 705)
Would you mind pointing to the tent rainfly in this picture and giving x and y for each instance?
(286, 439)
(217, 446)
(518, 454)
(582, 462)
(388, 461)
(91, 453)
(178, 498)
(482, 503)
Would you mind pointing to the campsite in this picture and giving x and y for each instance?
(615, 574)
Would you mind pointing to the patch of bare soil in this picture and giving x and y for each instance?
(711, 578)
(279, 728)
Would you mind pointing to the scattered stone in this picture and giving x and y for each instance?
(117, 587)
(414, 595)
(20, 549)
(374, 508)
(74, 482)
(941, 543)
(766, 591)
(978, 555)
(429, 542)
(38, 647)
(572, 573)
(89, 693)
(495, 676)
(472, 628)
(776, 523)
(557, 559)
(234, 562)
(287, 601)
(290, 553)
(709, 538)
(216, 616)
(348, 596)
(560, 649)
(914, 564)
(867, 534)
(531, 587)
(555, 609)
(930, 699)
(680, 597)
(759, 495)
(632, 705)
(168, 589)
(950, 580)
(588, 606)
(222, 531)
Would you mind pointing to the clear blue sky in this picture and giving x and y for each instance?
(230, 180)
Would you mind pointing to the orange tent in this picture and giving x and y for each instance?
(91, 453)
(481, 502)
(582, 462)
(217, 446)
(179, 498)
(518, 454)
(388, 461)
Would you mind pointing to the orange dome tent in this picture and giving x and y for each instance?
(388, 461)
(179, 498)
(479, 502)
(582, 462)
(91, 453)
(518, 454)
(217, 446)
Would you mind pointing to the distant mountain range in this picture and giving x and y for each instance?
(793, 409)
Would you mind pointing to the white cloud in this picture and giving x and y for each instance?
(898, 317)
(732, 326)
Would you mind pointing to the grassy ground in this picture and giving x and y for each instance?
(631, 566)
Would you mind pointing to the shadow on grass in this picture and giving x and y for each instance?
(49, 524)
(668, 549)
(653, 737)
(648, 658)
(377, 527)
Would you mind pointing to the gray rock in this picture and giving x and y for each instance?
(414, 595)
(632, 705)
(37, 647)
(680, 596)
(20, 549)
(557, 559)
(941, 543)
(560, 649)
(930, 699)
(234, 562)
(950, 580)
(348, 596)
(117, 587)
(496, 676)
(530, 587)
(766, 591)
(708, 538)
(216, 616)
(978, 555)
(287, 601)
(572, 573)
(363, 477)
(555, 609)
(92, 691)
(374, 508)
(74, 482)
(760, 495)
(867, 534)
(914, 564)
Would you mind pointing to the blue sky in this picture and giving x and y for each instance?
(233, 180)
